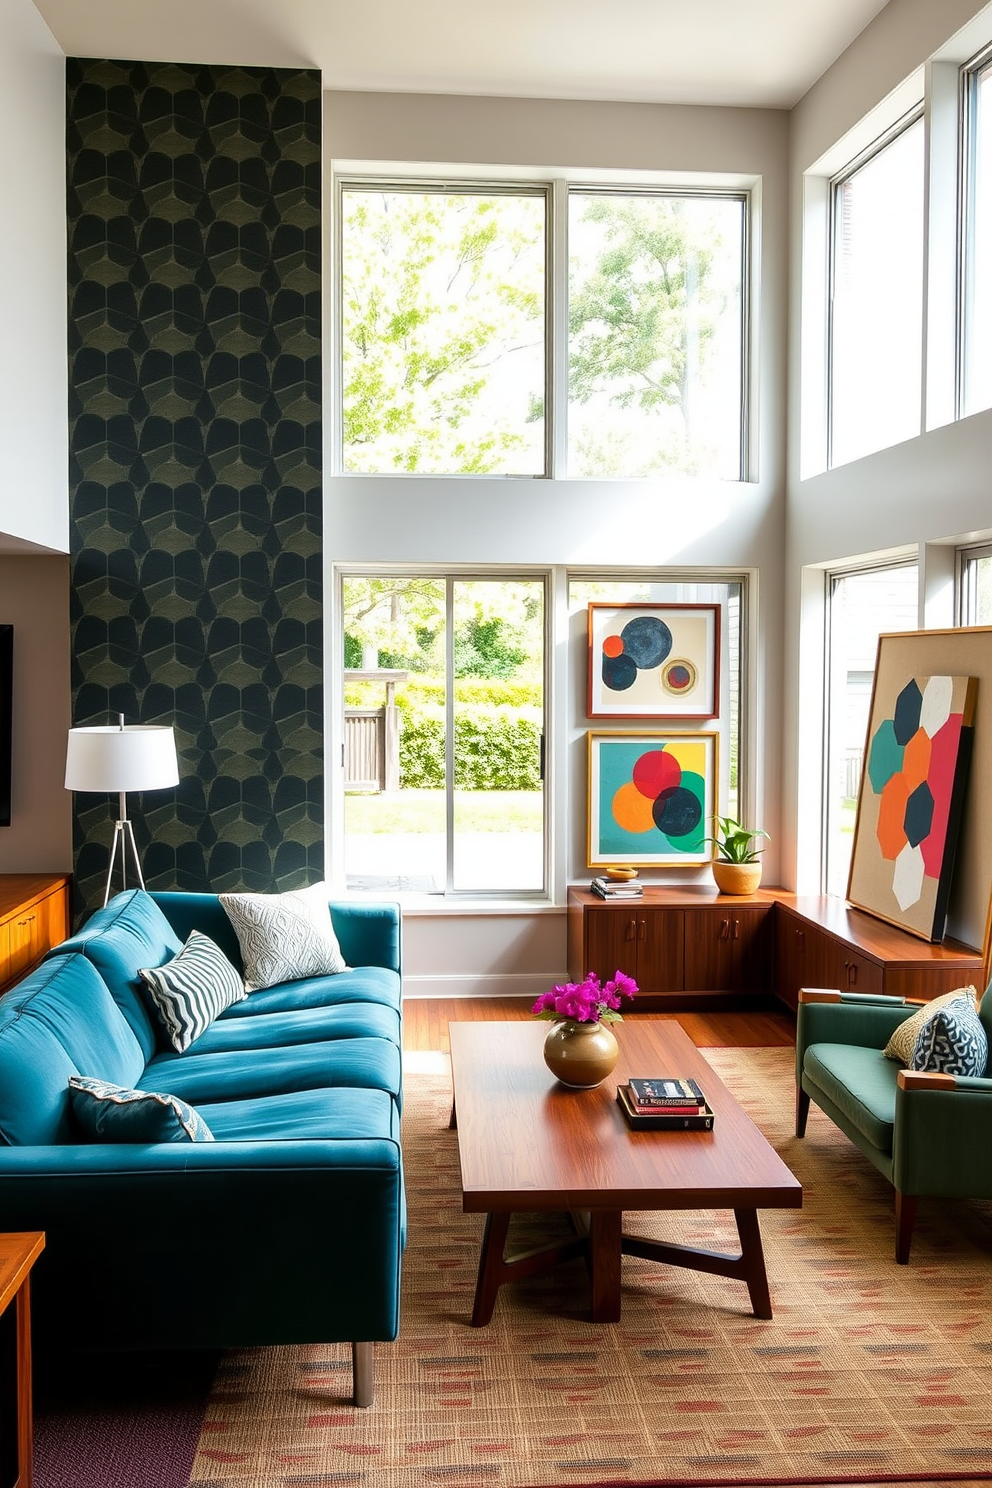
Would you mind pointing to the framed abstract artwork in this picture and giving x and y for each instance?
(911, 797)
(651, 798)
(654, 661)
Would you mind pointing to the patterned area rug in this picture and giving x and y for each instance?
(868, 1372)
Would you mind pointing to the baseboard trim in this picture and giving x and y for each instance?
(483, 984)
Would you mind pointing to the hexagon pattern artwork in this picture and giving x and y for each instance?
(915, 756)
(195, 449)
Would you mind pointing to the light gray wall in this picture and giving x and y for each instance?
(34, 598)
(33, 424)
(910, 498)
(623, 523)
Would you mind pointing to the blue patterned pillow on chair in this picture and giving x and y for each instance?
(952, 1042)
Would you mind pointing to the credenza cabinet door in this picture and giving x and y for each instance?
(645, 943)
(729, 948)
(810, 957)
(32, 926)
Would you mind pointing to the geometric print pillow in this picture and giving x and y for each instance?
(952, 1042)
(905, 1038)
(284, 937)
(189, 991)
(112, 1113)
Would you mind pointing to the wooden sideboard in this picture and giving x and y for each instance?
(34, 916)
(689, 943)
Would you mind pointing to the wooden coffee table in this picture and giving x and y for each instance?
(527, 1144)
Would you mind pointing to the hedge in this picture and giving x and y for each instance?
(497, 747)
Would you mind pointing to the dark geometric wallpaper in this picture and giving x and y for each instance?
(195, 461)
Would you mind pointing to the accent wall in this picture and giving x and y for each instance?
(195, 460)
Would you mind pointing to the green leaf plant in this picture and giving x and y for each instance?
(734, 843)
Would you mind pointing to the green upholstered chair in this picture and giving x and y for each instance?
(930, 1135)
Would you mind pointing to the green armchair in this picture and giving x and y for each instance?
(930, 1135)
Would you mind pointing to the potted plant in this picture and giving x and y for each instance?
(737, 866)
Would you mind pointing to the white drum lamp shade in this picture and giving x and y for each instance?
(108, 758)
(132, 757)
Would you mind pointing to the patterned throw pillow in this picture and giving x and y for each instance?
(284, 937)
(189, 991)
(112, 1113)
(905, 1038)
(952, 1042)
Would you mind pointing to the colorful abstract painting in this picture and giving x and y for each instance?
(909, 806)
(654, 661)
(650, 798)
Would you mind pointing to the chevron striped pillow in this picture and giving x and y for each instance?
(189, 991)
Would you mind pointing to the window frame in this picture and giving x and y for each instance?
(964, 585)
(965, 225)
(832, 578)
(450, 575)
(556, 189)
(834, 184)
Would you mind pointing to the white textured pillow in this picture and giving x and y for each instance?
(284, 937)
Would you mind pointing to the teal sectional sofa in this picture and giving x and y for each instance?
(289, 1227)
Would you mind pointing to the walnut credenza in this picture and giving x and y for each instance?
(691, 944)
(34, 916)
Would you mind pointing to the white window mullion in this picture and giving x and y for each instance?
(449, 735)
(558, 339)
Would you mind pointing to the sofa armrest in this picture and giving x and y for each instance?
(942, 1138)
(369, 934)
(826, 1016)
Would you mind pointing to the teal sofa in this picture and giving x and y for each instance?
(289, 1227)
(930, 1135)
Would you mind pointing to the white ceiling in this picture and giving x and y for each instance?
(752, 53)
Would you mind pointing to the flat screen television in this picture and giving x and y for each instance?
(6, 718)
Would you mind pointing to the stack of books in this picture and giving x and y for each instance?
(665, 1103)
(617, 888)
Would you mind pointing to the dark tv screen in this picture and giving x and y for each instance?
(6, 718)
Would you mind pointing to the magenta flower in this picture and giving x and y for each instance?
(586, 1001)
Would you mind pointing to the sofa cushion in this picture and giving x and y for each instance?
(366, 1063)
(357, 984)
(128, 933)
(59, 1022)
(299, 1026)
(312, 1115)
(189, 991)
(114, 1113)
(284, 937)
(904, 1038)
(860, 1082)
(952, 1041)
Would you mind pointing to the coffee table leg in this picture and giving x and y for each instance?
(492, 1271)
(604, 1237)
(753, 1262)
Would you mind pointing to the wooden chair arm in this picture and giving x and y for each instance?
(925, 1080)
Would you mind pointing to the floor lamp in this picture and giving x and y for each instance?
(119, 759)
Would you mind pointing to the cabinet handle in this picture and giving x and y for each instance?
(737, 929)
(631, 932)
(26, 921)
(724, 929)
(852, 976)
(642, 929)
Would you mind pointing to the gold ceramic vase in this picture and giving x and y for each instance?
(580, 1055)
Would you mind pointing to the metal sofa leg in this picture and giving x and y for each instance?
(362, 1373)
(802, 1111)
(905, 1219)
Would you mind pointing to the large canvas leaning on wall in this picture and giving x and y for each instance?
(913, 782)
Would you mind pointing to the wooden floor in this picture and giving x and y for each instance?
(425, 1026)
(425, 1022)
